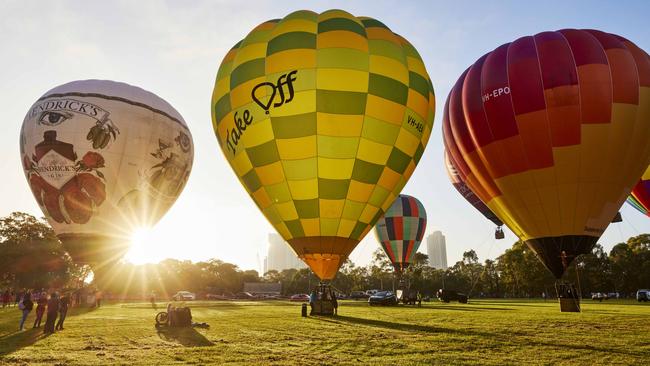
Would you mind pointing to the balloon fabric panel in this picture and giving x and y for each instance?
(401, 230)
(554, 130)
(323, 117)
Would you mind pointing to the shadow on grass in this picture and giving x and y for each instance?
(402, 326)
(186, 336)
(499, 337)
(17, 340)
(13, 341)
(469, 307)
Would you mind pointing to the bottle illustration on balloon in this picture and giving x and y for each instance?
(135, 152)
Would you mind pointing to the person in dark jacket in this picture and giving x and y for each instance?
(63, 311)
(26, 305)
(40, 309)
(52, 312)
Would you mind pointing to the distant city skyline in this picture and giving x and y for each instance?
(437, 250)
(280, 256)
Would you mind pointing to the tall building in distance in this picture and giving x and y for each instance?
(437, 250)
(280, 255)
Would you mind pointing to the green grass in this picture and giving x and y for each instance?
(260, 333)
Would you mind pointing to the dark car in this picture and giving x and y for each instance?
(643, 295)
(245, 296)
(299, 298)
(356, 295)
(451, 295)
(383, 298)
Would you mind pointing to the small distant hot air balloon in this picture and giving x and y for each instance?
(462, 188)
(323, 118)
(401, 229)
(103, 159)
(555, 131)
(640, 197)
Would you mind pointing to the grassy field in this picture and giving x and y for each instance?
(260, 333)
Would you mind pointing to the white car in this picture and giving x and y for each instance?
(184, 296)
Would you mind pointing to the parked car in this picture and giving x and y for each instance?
(451, 295)
(299, 298)
(383, 298)
(643, 295)
(216, 297)
(184, 296)
(599, 296)
(245, 296)
(371, 292)
(356, 295)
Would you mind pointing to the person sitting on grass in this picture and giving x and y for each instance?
(52, 312)
(63, 311)
(171, 315)
(25, 305)
(40, 309)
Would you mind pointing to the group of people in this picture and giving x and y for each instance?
(327, 295)
(53, 306)
(7, 296)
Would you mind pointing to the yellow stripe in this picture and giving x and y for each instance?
(294, 25)
(342, 80)
(299, 58)
(335, 168)
(339, 124)
(250, 52)
(384, 110)
(298, 148)
(337, 13)
(389, 67)
(342, 39)
(373, 152)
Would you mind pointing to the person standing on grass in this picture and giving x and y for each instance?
(40, 309)
(25, 305)
(5, 298)
(335, 303)
(63, 311)
(312, 301)
(98, 298)
(52, 312)
(18, 295)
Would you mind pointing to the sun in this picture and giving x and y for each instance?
(142, 247)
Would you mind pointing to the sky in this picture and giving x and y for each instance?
(174, 48)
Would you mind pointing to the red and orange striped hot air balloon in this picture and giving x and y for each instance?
(458, 181)
(553, 131)
(640, 197)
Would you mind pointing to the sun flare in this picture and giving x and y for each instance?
(141, 250)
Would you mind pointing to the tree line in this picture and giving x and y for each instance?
(31, 257)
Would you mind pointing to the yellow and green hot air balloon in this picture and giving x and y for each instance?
(323, 117)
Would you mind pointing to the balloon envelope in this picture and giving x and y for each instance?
(466, 192)
(640, 197)
(103, 159)
(323, 118)
(401, 229)
(555, 129)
